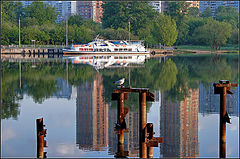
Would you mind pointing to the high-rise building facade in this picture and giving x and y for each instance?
(179, 126)
(193, 3)
(213, 5)
(63, 8)
(159, 6)
(90, 10)
(91, 116)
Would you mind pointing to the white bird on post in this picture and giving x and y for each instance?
(120, 82)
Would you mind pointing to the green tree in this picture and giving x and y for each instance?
(207, 13)
(193, 11)
(11, 11)
(167, 75)
(82, 34)
(117, 15)
(43, 12)
(194, 23)
(178, 11)
(75, 19)
(165, 30)
(9, 34)
(228, 14)
(214, 33)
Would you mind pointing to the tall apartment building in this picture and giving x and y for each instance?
(90, 10)
(91, 116)
(213, 5)
(193, 3)
(179, 126)
(63, 8)
(159, 6)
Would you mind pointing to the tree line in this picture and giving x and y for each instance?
(178, 25)
(176, 76)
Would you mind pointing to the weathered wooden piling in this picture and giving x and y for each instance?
(41, 143)
(223, 88)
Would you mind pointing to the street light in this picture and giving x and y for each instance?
(129, 28)
(19, 32)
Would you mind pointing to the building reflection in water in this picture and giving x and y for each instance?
(209, 102)
(179, 126)
(91, 116)
(131, 139)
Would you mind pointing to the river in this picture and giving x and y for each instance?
(75, 102)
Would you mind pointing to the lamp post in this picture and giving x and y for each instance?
(129, 29)
(66, 32)
(19, 32)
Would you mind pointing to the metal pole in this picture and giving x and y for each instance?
(67, 71)
(66, 32)
(223, 110)
(129, 78)
(120, 108)
(142, 124)
(129, 29)
(20, 71)
(19, 33)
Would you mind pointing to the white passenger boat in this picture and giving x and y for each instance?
(100, 46)
(106, 61)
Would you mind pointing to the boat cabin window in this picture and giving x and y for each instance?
(115, 57)
(129, 49)
(120, 57)
(91, 49)
(130, 57)
(120, 49)
(80, 49)
(125, 57)
(96, 49)
(125, 49)
(115, 49)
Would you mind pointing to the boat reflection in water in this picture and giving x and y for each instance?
(108, 61)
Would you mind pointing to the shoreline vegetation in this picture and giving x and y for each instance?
(180, 25)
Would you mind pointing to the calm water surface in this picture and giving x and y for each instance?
(76, 106)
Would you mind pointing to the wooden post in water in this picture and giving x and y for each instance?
(223, 88)
(41, 143)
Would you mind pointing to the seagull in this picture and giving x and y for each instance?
(120, 82)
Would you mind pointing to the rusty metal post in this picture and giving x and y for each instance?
(41, 143)
(223, 88)
(223, 111)
(149, 152)
(120, 108)
(142, 124)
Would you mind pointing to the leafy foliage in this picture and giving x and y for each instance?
(214, 33)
